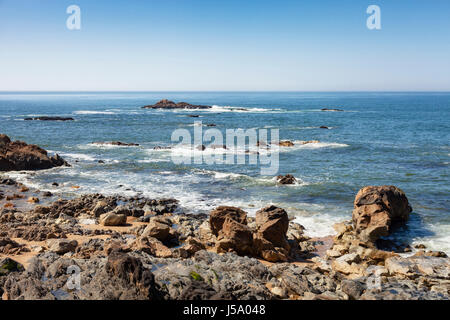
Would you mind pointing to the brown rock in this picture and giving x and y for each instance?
(152, 246)
(33, 200)
(235, 236)
(273, 223)
(309, 141)
(266, 250)
(376, 208)
(157, 230)
(11, 247)
(167, 104)
(113, 219)
(17, 155)
(61, 246)
(286, 143)
(286, 179)
(218, 215)
(117, 143)
(270, 239)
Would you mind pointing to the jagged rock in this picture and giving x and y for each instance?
(11, 247)
(37, 232)
(376, 208)
(235, 236)
(218, 215)
(152, 246)
(272, 224)
(17, 155)
(434, 267)
(348, 264)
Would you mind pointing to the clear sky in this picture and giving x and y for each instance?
(228, 45)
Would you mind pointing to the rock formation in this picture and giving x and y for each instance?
(167, 104)
(17, 155)
(377, 208)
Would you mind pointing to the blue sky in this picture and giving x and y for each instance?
(198, 45)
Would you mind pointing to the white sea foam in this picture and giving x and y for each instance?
(152, 160)
(93, 112)
(216, 108)
(222, 109)
(101, 146)
(315, 145)
(78, 156)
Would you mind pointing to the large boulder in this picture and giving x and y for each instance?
(157, 229)
(113, 219)
(236, 237)
(273, 223)
(218, 215)
(270, 239)
(17, 155)
(377, 208)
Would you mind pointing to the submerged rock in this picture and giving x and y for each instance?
(50, 119)
(286, 143)
(116, 143)
(286, 179)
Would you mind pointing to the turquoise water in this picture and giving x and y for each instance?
(381, 138)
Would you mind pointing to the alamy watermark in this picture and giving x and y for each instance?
(74, 281)
(374, 20)
(239, 146)
(73, 22)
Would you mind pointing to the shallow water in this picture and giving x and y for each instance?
(381, 138)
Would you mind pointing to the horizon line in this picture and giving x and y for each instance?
(223, 91)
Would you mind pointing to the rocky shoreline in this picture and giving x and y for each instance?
(140, 248)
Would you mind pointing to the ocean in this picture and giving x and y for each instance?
(400, 139)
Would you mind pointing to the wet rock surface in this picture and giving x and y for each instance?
(162, 253)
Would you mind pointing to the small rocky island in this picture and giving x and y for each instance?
(167, 104)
